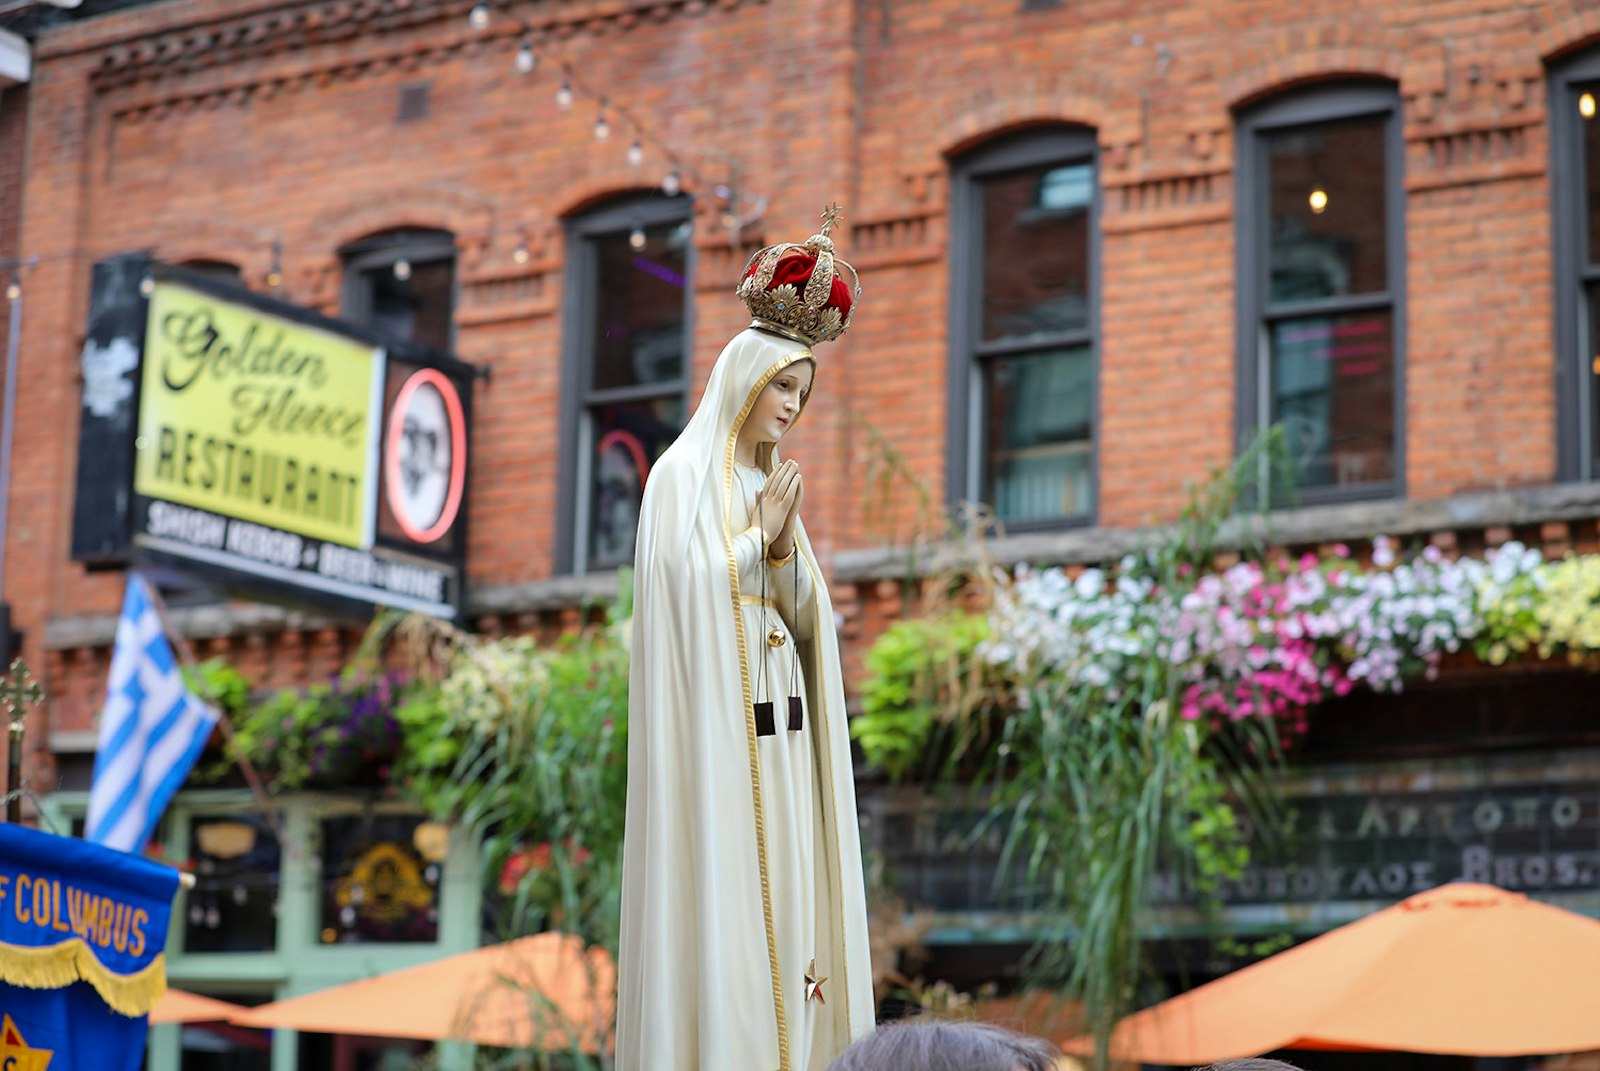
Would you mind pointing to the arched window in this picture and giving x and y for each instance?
(401, 283)
(1321, 285)
(1024, 323)
(220, 270)
(1575, 201)
(625, 369)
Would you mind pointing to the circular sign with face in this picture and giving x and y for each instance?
(425, 462)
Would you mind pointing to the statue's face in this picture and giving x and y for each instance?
(779, 403)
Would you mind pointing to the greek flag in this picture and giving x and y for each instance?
(151, 731)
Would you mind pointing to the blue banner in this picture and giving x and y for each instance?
(82, 931)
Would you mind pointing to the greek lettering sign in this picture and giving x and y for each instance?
(1358, 836)
(1537, 837)
(271, 448)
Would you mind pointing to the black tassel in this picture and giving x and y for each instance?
(796, 712)
(766, 724)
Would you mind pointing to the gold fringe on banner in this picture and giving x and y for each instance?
(58, 966)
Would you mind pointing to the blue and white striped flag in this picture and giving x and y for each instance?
(151, 731)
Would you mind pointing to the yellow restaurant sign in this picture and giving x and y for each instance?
(252, 415)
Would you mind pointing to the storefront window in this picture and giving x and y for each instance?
(233, 906)
(223, 1046)
(380, 880)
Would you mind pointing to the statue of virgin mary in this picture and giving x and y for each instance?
(744, 929)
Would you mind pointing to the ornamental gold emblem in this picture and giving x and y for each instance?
(385, 885)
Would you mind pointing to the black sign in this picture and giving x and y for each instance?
(267, 447)
(1519, 827)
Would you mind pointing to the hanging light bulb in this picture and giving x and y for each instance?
(671, 185)
(637, 238)
(526, 60)
(274, 278)
(402, 269)
(1318, 200)
(636, 154)
(519, 255)
(480, 15)
(1586, 106)
(147, 286)
(564, 95)
(13, 290)
(602, 129)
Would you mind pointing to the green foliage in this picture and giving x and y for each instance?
(924, 691)
(1098, 787)
(220, 684)
(1102, 789)
(1260, 948)
(339, 732)
(526, 747)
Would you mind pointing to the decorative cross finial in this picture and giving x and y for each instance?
(19, 691)
(831, 216)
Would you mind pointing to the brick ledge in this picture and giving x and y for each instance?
(1297, 527)
(1401, 518)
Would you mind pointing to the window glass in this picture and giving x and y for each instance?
(377, 883)
(1038, 411)
(233, 906)
(1589, 116)
(1327, 217)
(412, 301)
(1591, 341)
(1333, 392)
(1036, 251)
(639, 307)
(627, 354)
(223, 1046)
(628, 438)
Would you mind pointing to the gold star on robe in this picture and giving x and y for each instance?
(15, 1053)
(814, 984)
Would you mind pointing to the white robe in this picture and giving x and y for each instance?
(741, 861)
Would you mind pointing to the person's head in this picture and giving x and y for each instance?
(1250, 1063)
(778, 405)
(936, 1045)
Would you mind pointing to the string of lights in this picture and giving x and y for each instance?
(682, 173)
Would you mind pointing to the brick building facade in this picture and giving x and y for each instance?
(269, 137)
(1167, 150)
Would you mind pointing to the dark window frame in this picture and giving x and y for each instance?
(360, 258)
(616, 217)
(1577, 443)
(1304, 108)
(1062, 145)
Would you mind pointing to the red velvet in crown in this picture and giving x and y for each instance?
(795, 270)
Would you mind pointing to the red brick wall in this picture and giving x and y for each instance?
(204, 128)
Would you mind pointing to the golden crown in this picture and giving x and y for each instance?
(800, 291)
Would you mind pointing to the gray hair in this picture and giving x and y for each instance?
(1250, 1063)
(940, 1045)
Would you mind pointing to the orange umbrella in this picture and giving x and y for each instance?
(544, 992)
(1463, 969)
(176, 1006)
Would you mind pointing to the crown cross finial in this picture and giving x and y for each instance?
(831, 216)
